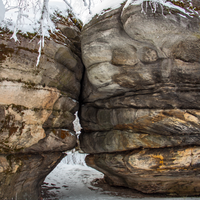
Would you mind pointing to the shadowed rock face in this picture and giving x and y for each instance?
(21, 175)
(141, 91)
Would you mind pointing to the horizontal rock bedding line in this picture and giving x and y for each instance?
(120, 141)
(176, 121)
(170, 170)
(115, 130)
(161, 96)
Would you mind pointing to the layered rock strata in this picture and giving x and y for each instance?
(38, 103)
(140, 116)
(37, 107)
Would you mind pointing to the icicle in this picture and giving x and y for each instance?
(151, 6)
(85, 3)
(68, 4)
(43, 16)
(39, 51)
(14, 35)
(142, 8)
(154, 6)
(162, 10)
(146, 5)
(76, 123)
(89, 7)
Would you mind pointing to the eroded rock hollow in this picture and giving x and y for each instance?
(141, 110)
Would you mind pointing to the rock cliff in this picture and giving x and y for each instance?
(140, 112)
(38, 103)
(37, 107)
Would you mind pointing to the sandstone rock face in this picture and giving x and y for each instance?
(141, 91)
(38, 103)
(37, 107)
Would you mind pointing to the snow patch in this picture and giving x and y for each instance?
(154, 4)
(2, 10)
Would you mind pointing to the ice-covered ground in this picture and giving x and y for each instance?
(71, 179)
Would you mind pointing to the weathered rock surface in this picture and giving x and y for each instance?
(171, 170)
(141, 91)
(38, 101)
(37, 107)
